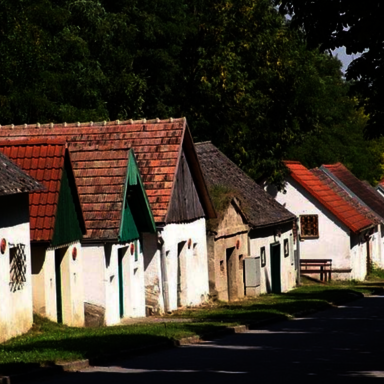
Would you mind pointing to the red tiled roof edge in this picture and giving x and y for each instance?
(86, 124)
(38, 233)
(355, 228)
(11, 141)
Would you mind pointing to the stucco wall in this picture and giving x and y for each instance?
(15, 304)
(224, 256)
(190, 263)
(334, 240)
(264, 238)
(377, 239)
(153, 275)
(72, 285)
(101, 280)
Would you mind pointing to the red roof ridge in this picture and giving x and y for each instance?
(352, 218)
(91, 123)
(335, 165)
(291, 162)
(40, 141)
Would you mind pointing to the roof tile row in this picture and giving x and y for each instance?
(345, 212)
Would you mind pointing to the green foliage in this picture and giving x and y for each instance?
(254, 87)
(221, 196)
(50, 342)
(340, 137)
(376, 273)
(234, 68)
(356, 26)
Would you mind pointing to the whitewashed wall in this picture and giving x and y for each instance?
(101, 280)
(264, 238)
(377, 239)
(153, 275)
(358, 260)
(72, 285)
(334, 240)
(193, 262)
(16, 314)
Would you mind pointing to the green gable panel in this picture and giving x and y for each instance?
(129, 230)
(137, 215)
(67, 225)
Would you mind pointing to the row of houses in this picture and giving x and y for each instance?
(121, 224)
(104, 221)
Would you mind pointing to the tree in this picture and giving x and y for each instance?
(357, 26)
(253, 87)
(344, 142)
(234, 68)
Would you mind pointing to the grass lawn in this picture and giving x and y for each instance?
(49, 342)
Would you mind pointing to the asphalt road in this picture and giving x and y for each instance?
(340, 345)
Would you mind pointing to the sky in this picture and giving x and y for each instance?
(343, 57)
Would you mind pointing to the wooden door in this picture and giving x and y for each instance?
(232, 272)
(59, 298)
(120, 257)
(276, 267)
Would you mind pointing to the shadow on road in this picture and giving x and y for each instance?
(344, 344)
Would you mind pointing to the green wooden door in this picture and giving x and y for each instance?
(121, 282)
(275, 268)
(59, 300)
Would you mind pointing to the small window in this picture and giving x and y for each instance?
(17, 267)
(309, 226)
(286, 248)
(263, 258)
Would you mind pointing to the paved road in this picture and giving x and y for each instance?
(338, 345)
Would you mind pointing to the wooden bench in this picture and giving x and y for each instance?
(318, 266)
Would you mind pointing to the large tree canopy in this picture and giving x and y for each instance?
(357, 26)
(234, 68)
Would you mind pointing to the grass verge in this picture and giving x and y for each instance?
(48, 342)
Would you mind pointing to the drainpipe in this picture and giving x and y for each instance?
(164, 274)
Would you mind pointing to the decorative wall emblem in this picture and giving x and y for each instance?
(3, 246)
(74, 253)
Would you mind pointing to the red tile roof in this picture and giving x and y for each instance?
(363, 192)
(44, 161)
(343, 210)
(99, 154)
(363, 209)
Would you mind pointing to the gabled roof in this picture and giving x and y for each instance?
(43, 160)
(363, 209)
(369, 197)
(136, 215)
(99, 154)
(14, 180)
(341, 208)
(260, 208)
